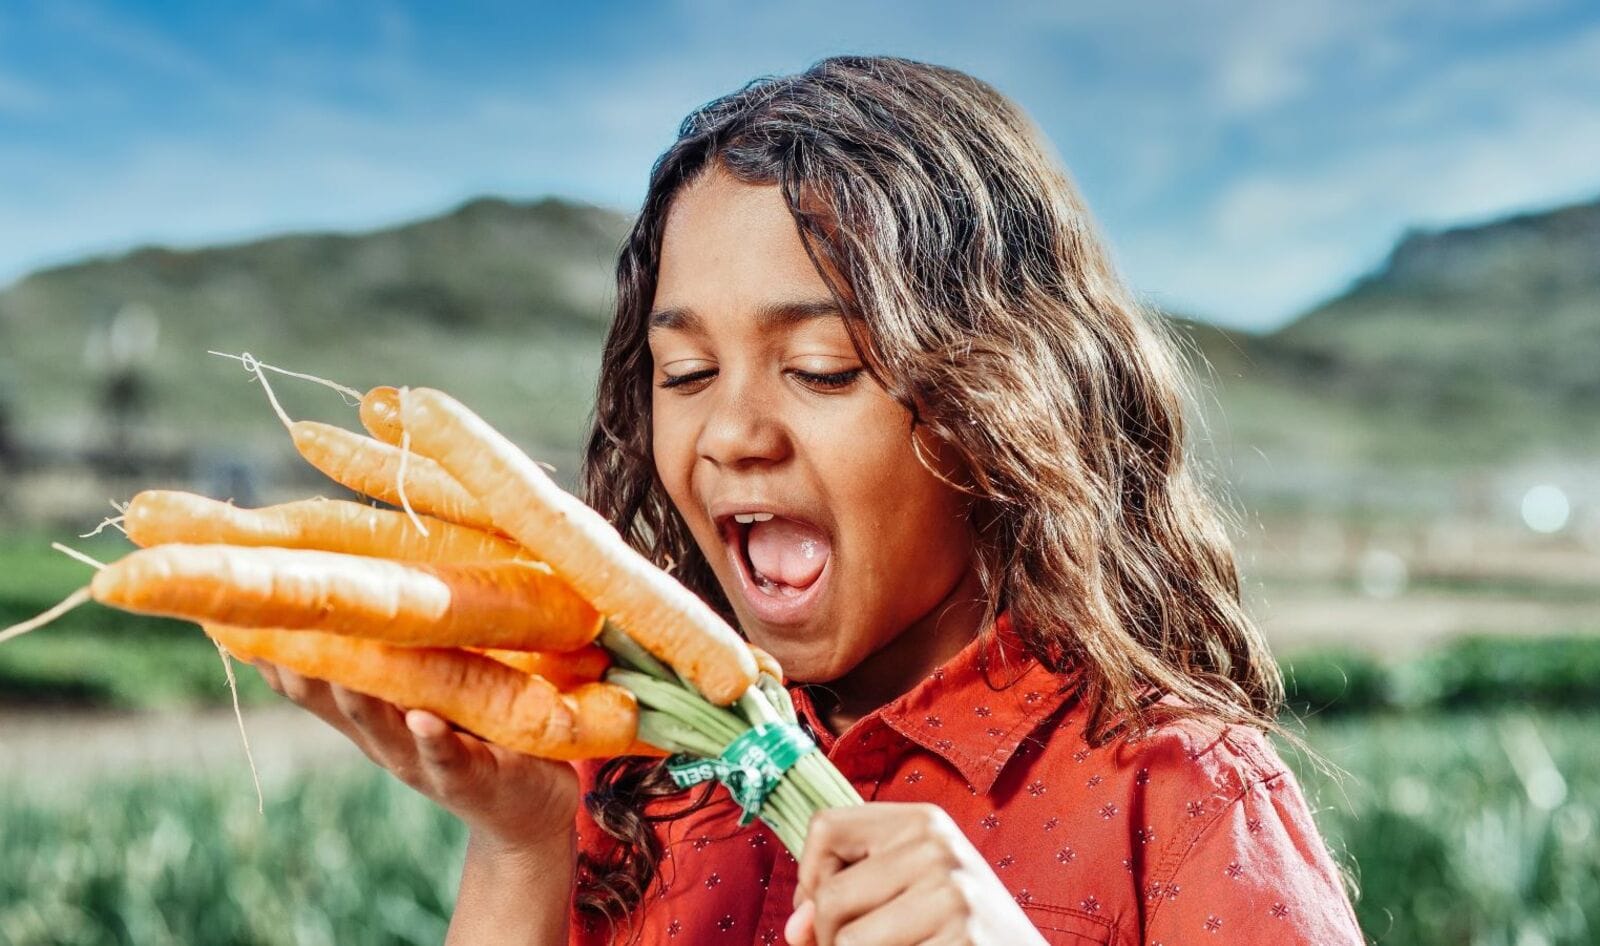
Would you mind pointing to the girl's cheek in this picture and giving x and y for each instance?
(672, 448)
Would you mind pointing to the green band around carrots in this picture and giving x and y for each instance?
(751, 766)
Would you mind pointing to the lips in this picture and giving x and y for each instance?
(783, 563)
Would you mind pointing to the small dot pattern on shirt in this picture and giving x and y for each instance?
(1191, 833)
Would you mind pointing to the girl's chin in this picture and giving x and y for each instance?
(803, 661)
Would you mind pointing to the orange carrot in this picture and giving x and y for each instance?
(661, 614)
(766, 663)
(161, 517)
(371, 467)
(513, 709)
(584, 665)
(380, 414)
(511, 605)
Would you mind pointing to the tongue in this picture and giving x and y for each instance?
(786, 552)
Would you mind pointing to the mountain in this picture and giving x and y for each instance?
(1471, 344)
(1491, 332)
(503, 302)
(1467, 346)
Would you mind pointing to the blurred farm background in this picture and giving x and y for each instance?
(1409, 447)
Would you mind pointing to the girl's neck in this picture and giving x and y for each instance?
(903, 663)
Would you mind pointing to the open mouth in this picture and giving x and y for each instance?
(782, 563)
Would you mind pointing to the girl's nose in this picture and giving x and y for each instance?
(742, 426)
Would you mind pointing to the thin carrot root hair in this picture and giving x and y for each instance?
(114, 522)
(400, 481)
(67, 604)
(238, 714)
(254, 366)
(73, 553)
(351, 395)
(34, 623)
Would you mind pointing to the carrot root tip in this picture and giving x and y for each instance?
(250, 759)
(34, 623)
(114, 522)
(351, 396)
(73, 553)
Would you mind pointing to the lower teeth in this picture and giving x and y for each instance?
(771, 587)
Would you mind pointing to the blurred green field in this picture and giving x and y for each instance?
(1475, 828)
(95, 656)
(337, 858)
(1469, 814)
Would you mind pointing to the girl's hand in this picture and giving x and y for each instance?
(887, 874)
(513, 803)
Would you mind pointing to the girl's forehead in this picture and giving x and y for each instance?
(720, 220)
(730, 247)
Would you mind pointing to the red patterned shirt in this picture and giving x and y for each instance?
(1192, 834)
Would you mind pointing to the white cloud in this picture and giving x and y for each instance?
(1147, 102)
(1272, 243)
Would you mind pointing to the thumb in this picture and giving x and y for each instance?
(800, 930)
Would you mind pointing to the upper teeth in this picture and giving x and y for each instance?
(748, 517)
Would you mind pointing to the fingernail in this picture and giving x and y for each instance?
(798, 928)
(424, 724)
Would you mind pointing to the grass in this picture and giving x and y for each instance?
(1471, 814)
(346, 858)
(1472, 828)
(1453, 843)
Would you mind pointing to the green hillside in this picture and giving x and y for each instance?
(1483, 342)
(1471, 345)
(501, 302)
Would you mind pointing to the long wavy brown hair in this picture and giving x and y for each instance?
(978, 293)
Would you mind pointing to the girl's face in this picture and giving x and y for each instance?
(793, 469)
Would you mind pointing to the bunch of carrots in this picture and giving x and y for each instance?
(490, 597)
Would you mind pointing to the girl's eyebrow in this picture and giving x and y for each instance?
(771, 315)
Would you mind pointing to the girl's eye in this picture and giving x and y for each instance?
(832, 381)
(690, 377)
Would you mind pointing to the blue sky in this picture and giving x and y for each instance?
(1244, 159)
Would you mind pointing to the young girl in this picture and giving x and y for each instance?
(874, 391)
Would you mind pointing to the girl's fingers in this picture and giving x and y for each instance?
(309, 692)
(301, 691)
(459, 768)
(379, 729)
(268, 673)
(869, 884)
(839, 837)
(445, 754)
(425, 725)
(377, 719)
(917, 916)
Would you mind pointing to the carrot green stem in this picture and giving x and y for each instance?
(678, 719)
(629, 653)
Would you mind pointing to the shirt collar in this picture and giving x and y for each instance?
(976, 710)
